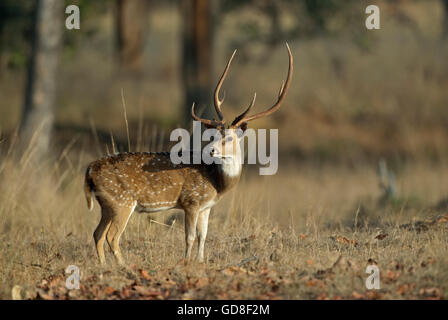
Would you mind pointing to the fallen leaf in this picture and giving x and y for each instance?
(311, 283)
(405, 288)
(140, 289)
(145, 274)
(55, 281)
(201, 282)
(381, 236)
(147, 292)
(125, 293)
(374, 295)
(302, 236)
(223, 296)
(109, 291)
(322, 296)
(316, 283)
(169, 283)
(442, 219)
(156, 294)
(430, 292)
(341, 239)
(392, 276)
(401, 290)
(357, 295)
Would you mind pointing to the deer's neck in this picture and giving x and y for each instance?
(227, 173)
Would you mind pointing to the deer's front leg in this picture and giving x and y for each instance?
(191, 220)
(202, 226)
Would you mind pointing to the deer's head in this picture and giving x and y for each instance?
(227, 146)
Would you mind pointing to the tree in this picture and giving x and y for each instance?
(445, 18)
(15, 32)
(131, 26)
(197, 56)
(41, 80)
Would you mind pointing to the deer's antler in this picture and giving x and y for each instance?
(281, 97)
(243, 116)
(218, 102)
(207, 122)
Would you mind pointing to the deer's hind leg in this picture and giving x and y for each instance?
(119, 221)
(100, 233)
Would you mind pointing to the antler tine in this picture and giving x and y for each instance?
(281, 97)
(204, 121)
(241, 116)
(219, 102)
(281, 88)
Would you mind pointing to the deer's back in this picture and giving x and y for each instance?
(149, 181)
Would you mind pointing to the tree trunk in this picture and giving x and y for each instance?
(131, 26)
(197, 57)
(445, 18)
(40, 89)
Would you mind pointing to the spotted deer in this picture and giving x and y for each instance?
(150, 181)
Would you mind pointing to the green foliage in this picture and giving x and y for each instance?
(312, 18)
(15, 31)
(88, 10)
(16, 27)
(320, 10)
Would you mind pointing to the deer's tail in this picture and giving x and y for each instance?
(89, 188)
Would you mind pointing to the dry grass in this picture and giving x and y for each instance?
(296, 224)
